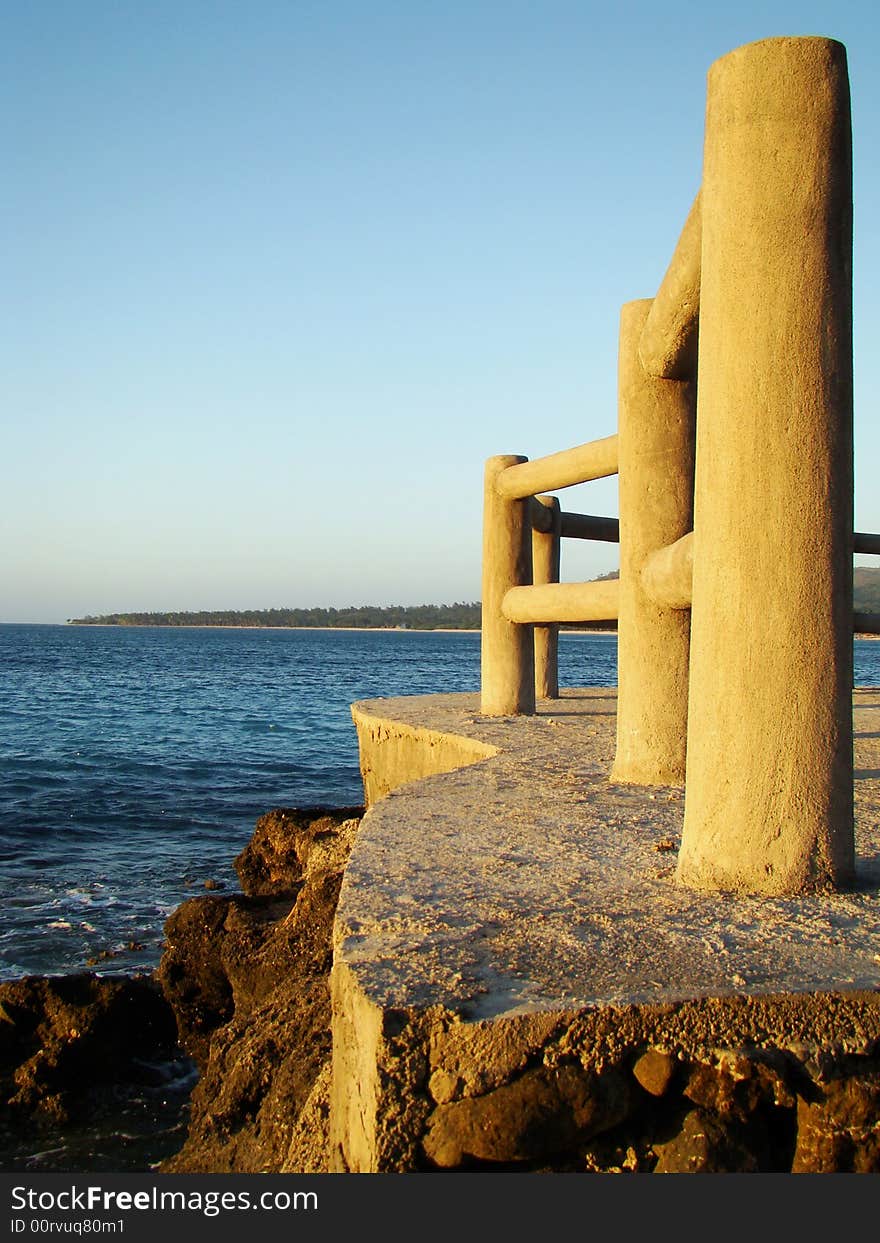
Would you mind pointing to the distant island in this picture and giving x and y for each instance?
(361, 617)
(866, 589)
(458, 616)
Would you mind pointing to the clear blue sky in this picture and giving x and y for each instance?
(279, 276)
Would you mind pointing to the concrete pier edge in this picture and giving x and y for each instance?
(503, 956)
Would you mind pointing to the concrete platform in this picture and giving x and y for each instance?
(494, 917)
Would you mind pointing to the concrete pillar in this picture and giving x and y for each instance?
(768, 806)
(656, 455)
(545, 569)
(507, 655)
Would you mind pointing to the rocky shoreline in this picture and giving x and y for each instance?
(211, 1064)
(220, 1061)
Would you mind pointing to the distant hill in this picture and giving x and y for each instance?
(866, 589)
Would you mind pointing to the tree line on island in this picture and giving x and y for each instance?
(458, 616)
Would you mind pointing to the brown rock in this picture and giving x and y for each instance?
(471, 1059)
(705, 1145)
(738, 1085)
(248, 979)
(840, 1132)
(654, 1071)
(191, 973)
(274, 859)
(310, 1137)
(543, 1112)
(67, 1038)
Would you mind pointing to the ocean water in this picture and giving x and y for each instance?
(134, 762)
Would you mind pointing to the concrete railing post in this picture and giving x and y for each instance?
(768, 805)
(656, 461)
(507, 656)
(545, 569)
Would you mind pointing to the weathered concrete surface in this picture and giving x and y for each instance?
(597, 459)
(485, 940)
(545, 569)
(507, 653)
(769, 747)
(668, 344)
(395, 752)
(656, 490)
(668, 574)
(539, 604)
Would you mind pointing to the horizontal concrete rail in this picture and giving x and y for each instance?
(576, 526)
(594, 460)
(865, 623)
(562, 602)
(667, 575)
(668, 344)
(864, 543)
(586, 526)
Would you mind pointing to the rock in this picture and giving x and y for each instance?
(191, 973)
(654, 1071)
(310, 1136)
(66, 1039)
(544, 1111)
(705, 1145)
(470, 1059)
(247, 976)
(738, 1084)
(274, 860)
(608, 1155)
(839, 1132)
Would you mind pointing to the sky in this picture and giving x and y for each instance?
(278, 277)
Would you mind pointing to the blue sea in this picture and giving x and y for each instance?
(134, 762)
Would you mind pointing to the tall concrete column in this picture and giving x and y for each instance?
(656, 486)
(507, 656)
(545, 569)
(768, 806)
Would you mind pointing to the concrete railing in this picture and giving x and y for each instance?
(522, 530)
(734, 603)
